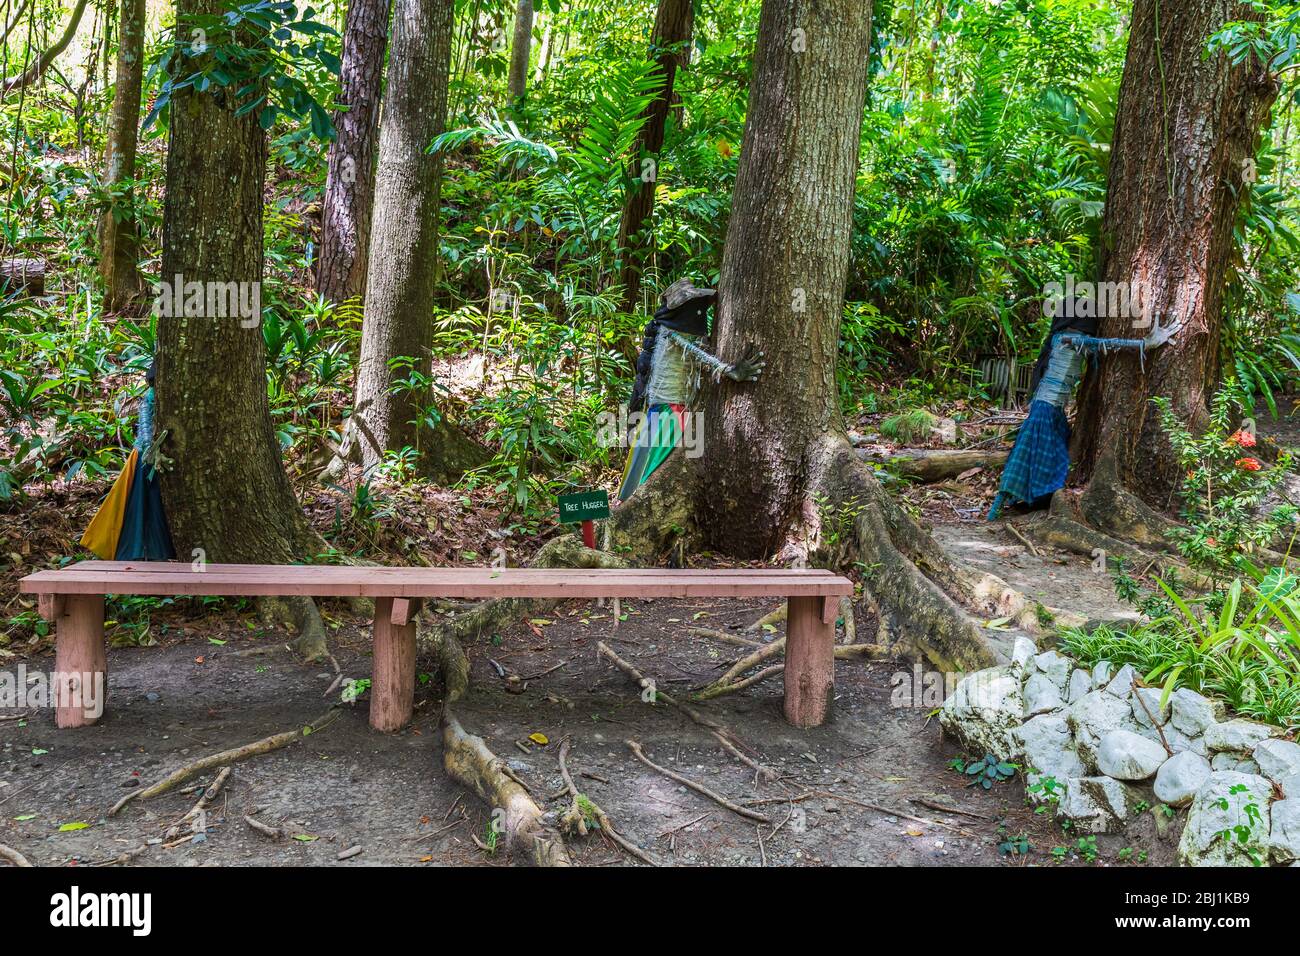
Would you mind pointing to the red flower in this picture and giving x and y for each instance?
(1249, 464)
(1242, 438)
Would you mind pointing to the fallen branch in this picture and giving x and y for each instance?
(275, 833)
(727, 683)
(13, 856)
(931, 465)
(257, 747)
(723, 636)
(583, 807)
(1015, 533)
(123, 858)
(697, 787)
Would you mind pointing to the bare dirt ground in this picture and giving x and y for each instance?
(846, 795)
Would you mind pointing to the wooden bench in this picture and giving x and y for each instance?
(73, 599)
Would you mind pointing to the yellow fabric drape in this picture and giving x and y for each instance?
(105, 528)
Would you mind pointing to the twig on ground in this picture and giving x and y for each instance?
(265, 745)
(275, 833)
(942, 809)
(1154, 723)
(1015, 533)
(697, 787)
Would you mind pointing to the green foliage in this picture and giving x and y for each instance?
(989, 770)
(906, 427)
(254, 52)
(1224, 488)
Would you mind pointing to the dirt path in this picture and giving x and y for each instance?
(350, 786)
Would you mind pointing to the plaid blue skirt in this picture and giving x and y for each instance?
(1040, 461)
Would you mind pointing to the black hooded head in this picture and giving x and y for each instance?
(1068, 318)
(689, 318)
(151, 373)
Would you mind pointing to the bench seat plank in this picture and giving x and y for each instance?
(107, 577)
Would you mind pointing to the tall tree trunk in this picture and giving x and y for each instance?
(1185, 137)
(228, 493)
(778, 474)
(672, 31)
(350, 181)
(119, 235)
(404, 252)
(784, 269)
(521, 49)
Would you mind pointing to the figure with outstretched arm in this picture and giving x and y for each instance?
(1040, 461)
(668, 374)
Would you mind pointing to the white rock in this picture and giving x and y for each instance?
(1218, 808)
(1191, 713)
(1101, 674)
(1150, 696)
(1178, 741)
(1126, 755)
(1284, 837)
(1048, 750)
(984, 708)
(1022, 652)
(1041, 695)
(1277, 759)
(1180, 777)
(1097, 804)
(1121, 685)
(1290, 785)
(1092, 717)
(1240, 736)
(1080, 684)
(1055, 667)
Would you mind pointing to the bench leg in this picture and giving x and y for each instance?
(81, 669)
(809, 662)
(392, 679)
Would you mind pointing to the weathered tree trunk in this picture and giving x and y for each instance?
(672, 32)
(228, 494)
(119, 235)
(350, 180)
(778, 475)
(404, 253)
(521, 49)
(1185, 139)
(784, 270)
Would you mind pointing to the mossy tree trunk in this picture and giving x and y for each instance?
(228, 494)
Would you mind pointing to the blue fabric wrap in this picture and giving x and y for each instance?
(1040, 461)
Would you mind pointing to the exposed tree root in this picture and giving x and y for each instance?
(652, 695)
(209, 794)
(274, 833)
(583, 812)
(467, 758)
(301, 614)
(699, 788)
(729, 684)
(13, 856)
(516, 818)
(265, 745)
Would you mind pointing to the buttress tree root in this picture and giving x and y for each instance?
(927, 604)
(517, 819)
